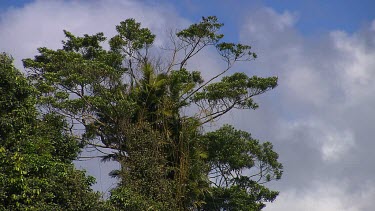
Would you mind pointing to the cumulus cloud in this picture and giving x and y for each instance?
(325, 197)
(41, 24)
(332, 143)
(320, 119)
(358, 64)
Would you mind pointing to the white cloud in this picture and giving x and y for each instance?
(332, 143)
(298, 81)
(41, 24)
(265, 19)
(337, 144)
(264, 29)
(357, 65)
(325, 197)
(320, 116)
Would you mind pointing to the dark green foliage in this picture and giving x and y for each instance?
(131, 36)
(144, 184)
(238, 198)
(36, 153)
(232, 155)
(236, 90)
(133, 104)
(206, 30)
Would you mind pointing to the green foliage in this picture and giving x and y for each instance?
(144, 184)
(131, 36)
(236, 91)
(232, 155)
(237, 198)
(206, 30)
(133, 104)
(36, 153)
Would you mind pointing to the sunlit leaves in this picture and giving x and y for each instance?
(206, 30)
(235, 52)
(235, 91)
(131, 36)
(151, 111)
(232, 155)
(36, 153)
(232, 151)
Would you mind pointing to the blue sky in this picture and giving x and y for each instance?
(4, 4)
(321, 116)
(324, 15)
(314, 16)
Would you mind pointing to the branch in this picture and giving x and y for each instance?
(205, 84)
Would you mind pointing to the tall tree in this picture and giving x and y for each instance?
(36, 153)
(132, 103)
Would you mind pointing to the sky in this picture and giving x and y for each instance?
(321, 116)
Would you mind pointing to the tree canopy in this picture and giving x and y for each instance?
(131, 105)
(36, 153)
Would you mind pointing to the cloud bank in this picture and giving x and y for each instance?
(41, 24)
(320, 118)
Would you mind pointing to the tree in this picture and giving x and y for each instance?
(36, 153)
(131, 103)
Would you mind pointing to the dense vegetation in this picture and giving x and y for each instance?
(36, 153)
(146, 112)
